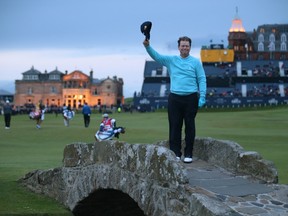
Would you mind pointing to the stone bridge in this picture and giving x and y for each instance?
(142, 179)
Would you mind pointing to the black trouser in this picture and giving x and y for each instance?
(86, 120)
(7, 118)
(182, 108)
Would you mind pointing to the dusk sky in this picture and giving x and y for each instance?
(104, 36)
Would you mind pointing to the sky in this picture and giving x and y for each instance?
(105, 36)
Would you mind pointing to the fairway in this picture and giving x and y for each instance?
(24, 148)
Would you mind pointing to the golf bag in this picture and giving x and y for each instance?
(68, 114)
(109, 134)
(35, 115)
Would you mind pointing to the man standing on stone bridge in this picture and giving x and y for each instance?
(187, 93)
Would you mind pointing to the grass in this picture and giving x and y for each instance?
(23, 148)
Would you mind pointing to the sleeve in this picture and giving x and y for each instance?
(201, 79)
(162, 59)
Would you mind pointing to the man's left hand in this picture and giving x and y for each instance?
(201, 102)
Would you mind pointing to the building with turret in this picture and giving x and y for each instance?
(266, 42)
(56, 88)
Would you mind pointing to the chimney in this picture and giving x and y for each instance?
(91, 75)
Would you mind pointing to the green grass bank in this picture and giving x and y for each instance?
(24, 148)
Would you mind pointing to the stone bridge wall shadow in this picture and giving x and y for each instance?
(148, 173)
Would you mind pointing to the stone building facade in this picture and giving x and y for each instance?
(56, 88)
(267, 42)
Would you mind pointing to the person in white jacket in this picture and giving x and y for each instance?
(68, 114)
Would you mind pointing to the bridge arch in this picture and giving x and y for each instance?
(143, 172)
(107, 202)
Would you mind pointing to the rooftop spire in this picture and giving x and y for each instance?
(237, 24)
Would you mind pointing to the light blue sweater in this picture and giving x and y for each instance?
(186, 74)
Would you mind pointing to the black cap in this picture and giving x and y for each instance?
(145, 29)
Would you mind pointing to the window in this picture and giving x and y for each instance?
(30, 77)
(95, 91)
(76, 76)
(271, 46)
(283, 47)
(272, 38)
(54, 77)
(53, 89)
(30, 90)
(261, 38)
(283, 38)
(260, 47)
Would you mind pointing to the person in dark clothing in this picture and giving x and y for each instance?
(7, 109)
(86, 111)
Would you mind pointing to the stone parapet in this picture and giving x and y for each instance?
(150, 161)
(231, 156)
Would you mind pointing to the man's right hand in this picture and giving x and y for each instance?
(146, 43)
